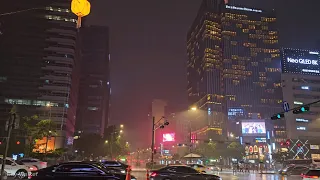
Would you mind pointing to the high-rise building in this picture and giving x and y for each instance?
(39, 62)
(95, 87)
(205, 65)
(300, 84)
(234, 63)
(251, 55)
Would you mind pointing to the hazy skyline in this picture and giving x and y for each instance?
(148, 48)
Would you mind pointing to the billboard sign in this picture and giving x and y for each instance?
(168, 137)
(253, 128)
(235, 112)
(299, 61)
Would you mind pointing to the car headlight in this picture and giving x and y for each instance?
(123, 171)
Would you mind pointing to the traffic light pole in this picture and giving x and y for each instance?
(10, 126)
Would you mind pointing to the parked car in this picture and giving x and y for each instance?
(181, 172)
(77, 171)
(16, 169)
(34, 162)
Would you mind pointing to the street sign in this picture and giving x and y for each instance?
(286, 107)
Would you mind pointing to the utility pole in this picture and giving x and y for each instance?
(152, 142)
(10, 127)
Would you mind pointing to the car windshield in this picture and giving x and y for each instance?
(19, 162)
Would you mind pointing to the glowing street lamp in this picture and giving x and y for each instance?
(106, 142)
(80, 8)
(121, 125)
(121, 131)
(194, 108)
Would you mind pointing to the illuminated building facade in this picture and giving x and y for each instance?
(205, 66)
(300, 79)
(39, 69)
(251, 55)
(234, 63)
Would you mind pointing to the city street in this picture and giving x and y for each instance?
(141, 175)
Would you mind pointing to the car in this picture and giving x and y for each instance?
(312, 174)
(180, 172)
(296, 170)
(202, 168)
(111, 169)
(16, 169)
(34, 162)
(115, 164)
(78, 171)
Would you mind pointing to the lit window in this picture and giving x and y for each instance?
(301, 128)
(93, 108)
(302, 120)
(305, 87)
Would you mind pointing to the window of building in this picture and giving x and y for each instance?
(93, 108)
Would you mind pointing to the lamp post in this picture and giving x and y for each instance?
(155, 126)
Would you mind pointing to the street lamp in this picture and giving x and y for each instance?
(121, 125)
(194, 108)
(121, 131)
(106, 142)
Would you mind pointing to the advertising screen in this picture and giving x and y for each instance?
(300, 61)
(253, 128)
(168, 137)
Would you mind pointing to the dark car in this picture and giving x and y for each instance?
(77, 171)
(180, 172)
(116, 165)
(111, 169)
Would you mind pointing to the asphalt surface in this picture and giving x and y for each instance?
(237, 176)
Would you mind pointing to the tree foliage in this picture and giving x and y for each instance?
(207, 149)
(35, 129)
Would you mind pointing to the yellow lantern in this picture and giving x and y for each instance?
(80, 8)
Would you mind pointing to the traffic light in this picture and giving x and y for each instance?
(301, 109)
(277, 116)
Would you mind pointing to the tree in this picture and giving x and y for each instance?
(235, 150)
(35, 129)
(207, 149)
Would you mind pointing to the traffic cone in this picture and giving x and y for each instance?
(128, 176)
(148, 177)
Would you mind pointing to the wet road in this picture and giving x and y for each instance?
(238, 176)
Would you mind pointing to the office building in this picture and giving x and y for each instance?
(39, 68)
(205, 67)
(95, 87)
(234, 63)
(300, 84)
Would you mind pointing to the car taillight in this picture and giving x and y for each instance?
(311, 177)
(153, 174)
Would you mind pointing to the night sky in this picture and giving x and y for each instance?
(148, 49)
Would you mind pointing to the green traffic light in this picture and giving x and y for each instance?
(303, 109)
(278, 116)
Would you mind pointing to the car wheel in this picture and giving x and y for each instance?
(21, 174)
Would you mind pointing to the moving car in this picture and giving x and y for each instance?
(313, 174)
(116, 165)
(296, 170)
(34, 162)
(77, 171)
(202, 168)
(16, 169)
(181, 172)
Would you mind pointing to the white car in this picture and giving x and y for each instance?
(16, 169)
(34, 162)
(312, 174)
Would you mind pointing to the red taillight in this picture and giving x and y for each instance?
(153, 174)
(312, 177)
